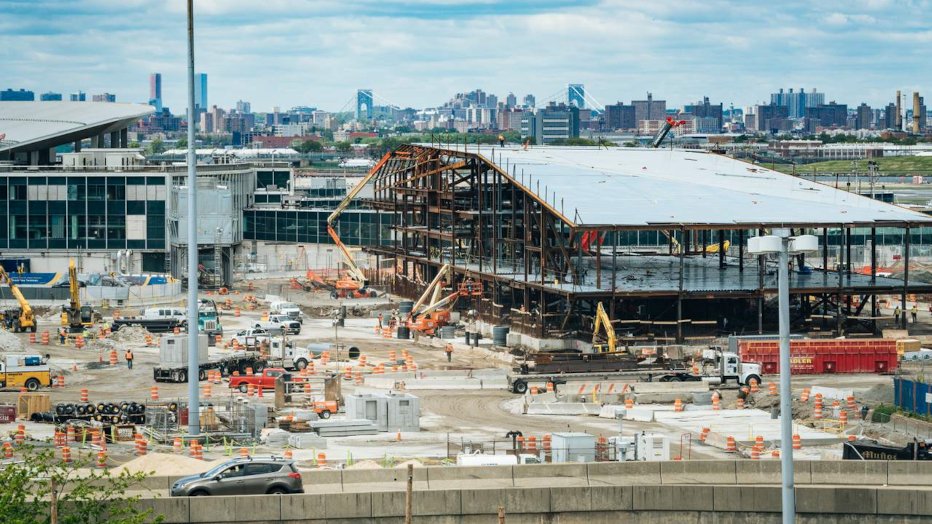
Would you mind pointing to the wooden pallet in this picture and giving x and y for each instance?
(29, 403)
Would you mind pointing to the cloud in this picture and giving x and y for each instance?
(420, 52)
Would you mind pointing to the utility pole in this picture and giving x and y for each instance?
(409, 495)
(194, 422)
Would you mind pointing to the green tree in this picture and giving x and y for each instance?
(344, 147)
(310, 146)
(182, 143)
(155, 147)
(84, 494)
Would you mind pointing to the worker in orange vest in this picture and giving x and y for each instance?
(449, 351)
(129, 358)
(501, 140)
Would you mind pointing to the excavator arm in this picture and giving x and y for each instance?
(27, 317)
(602, 321)
(354, 271)
(74, 286)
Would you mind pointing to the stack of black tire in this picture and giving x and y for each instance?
(108, 412)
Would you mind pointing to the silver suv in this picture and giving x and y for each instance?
(243, 476)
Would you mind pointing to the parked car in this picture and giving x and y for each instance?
(251, 337)
(280, 324)
(243, 476)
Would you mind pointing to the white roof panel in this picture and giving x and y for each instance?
(25, 122)
(641, 187)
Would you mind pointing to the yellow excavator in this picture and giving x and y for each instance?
(602, 320)
(22, 318)
(678, 248)
(74, 316)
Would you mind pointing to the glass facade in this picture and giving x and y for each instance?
(88, 211)
(356, 227)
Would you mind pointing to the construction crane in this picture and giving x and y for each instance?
(356, 281)
(435, 314)
(74, 316)
(20, 319)
(668, 125)
(602, 320)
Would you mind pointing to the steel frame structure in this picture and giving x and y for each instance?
(490, 223)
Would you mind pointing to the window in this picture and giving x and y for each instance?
(261, 469)
(235, 471)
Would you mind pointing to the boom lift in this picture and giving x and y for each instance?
(20, 319)
(75, 316)
(601, 319)
(436, 314)
(664, 130)
(354, 284)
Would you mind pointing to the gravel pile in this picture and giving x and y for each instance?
(10, 343)
(130, 335)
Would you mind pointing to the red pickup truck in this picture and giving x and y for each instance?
(265, 380)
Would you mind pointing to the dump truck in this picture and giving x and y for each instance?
(24, 371)
(719, 367)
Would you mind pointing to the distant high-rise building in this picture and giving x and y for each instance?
(550, 124)
(797, 102)
(155, 91)
(243, 107)
(576, 95)
(704, 110)
(364, 104)
(200, 92)
(50, 97)
(827, 115)
(865, 113)
(620, 116)
(529, 101)
(889, 116)
(772, 118)
(511, 101)
(104, 97)
(649, 109)
(8, 95)
(80, 96)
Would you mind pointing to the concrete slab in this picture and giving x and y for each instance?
(322, 481)
(669, 387)
(909, 473)
(174, 510)
(611, 498)
(388, 504)
(389, 479)
(209, 509)
(830, 393)
(447, 502)
(259, 507)
(891, 501)
(612, 411)
(568, 500)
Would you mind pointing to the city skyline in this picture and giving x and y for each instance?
(416, 53)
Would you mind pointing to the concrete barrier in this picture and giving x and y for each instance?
(322, 481)
(470, 477)
(821, 499)
(740, 498)
(388, 504)
(550, 475)
(348, 506)
(769, 472)
(698, 472)
(675, 498)
(514, 500)
(213, 509)
(173, 510)
(860, 472)
(611, 498)
(908, 473)
(304, 507)
(389, 479)
(258, 507)
(904, 502)
(624, 473)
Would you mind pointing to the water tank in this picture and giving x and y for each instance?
(500, 335)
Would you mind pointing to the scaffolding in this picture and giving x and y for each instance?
(543, 270)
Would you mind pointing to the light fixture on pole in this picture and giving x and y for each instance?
(782, 244)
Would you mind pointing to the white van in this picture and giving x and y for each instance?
(287, 308)
(164, 313)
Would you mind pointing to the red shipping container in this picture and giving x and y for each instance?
(7, 414)
(825, 356)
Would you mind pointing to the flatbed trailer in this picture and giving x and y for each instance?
(226, 365)
(152, 325)
(519, 382)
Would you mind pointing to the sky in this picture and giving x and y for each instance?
(419, 53)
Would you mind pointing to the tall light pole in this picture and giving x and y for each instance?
(194, 421)
(782, 244)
